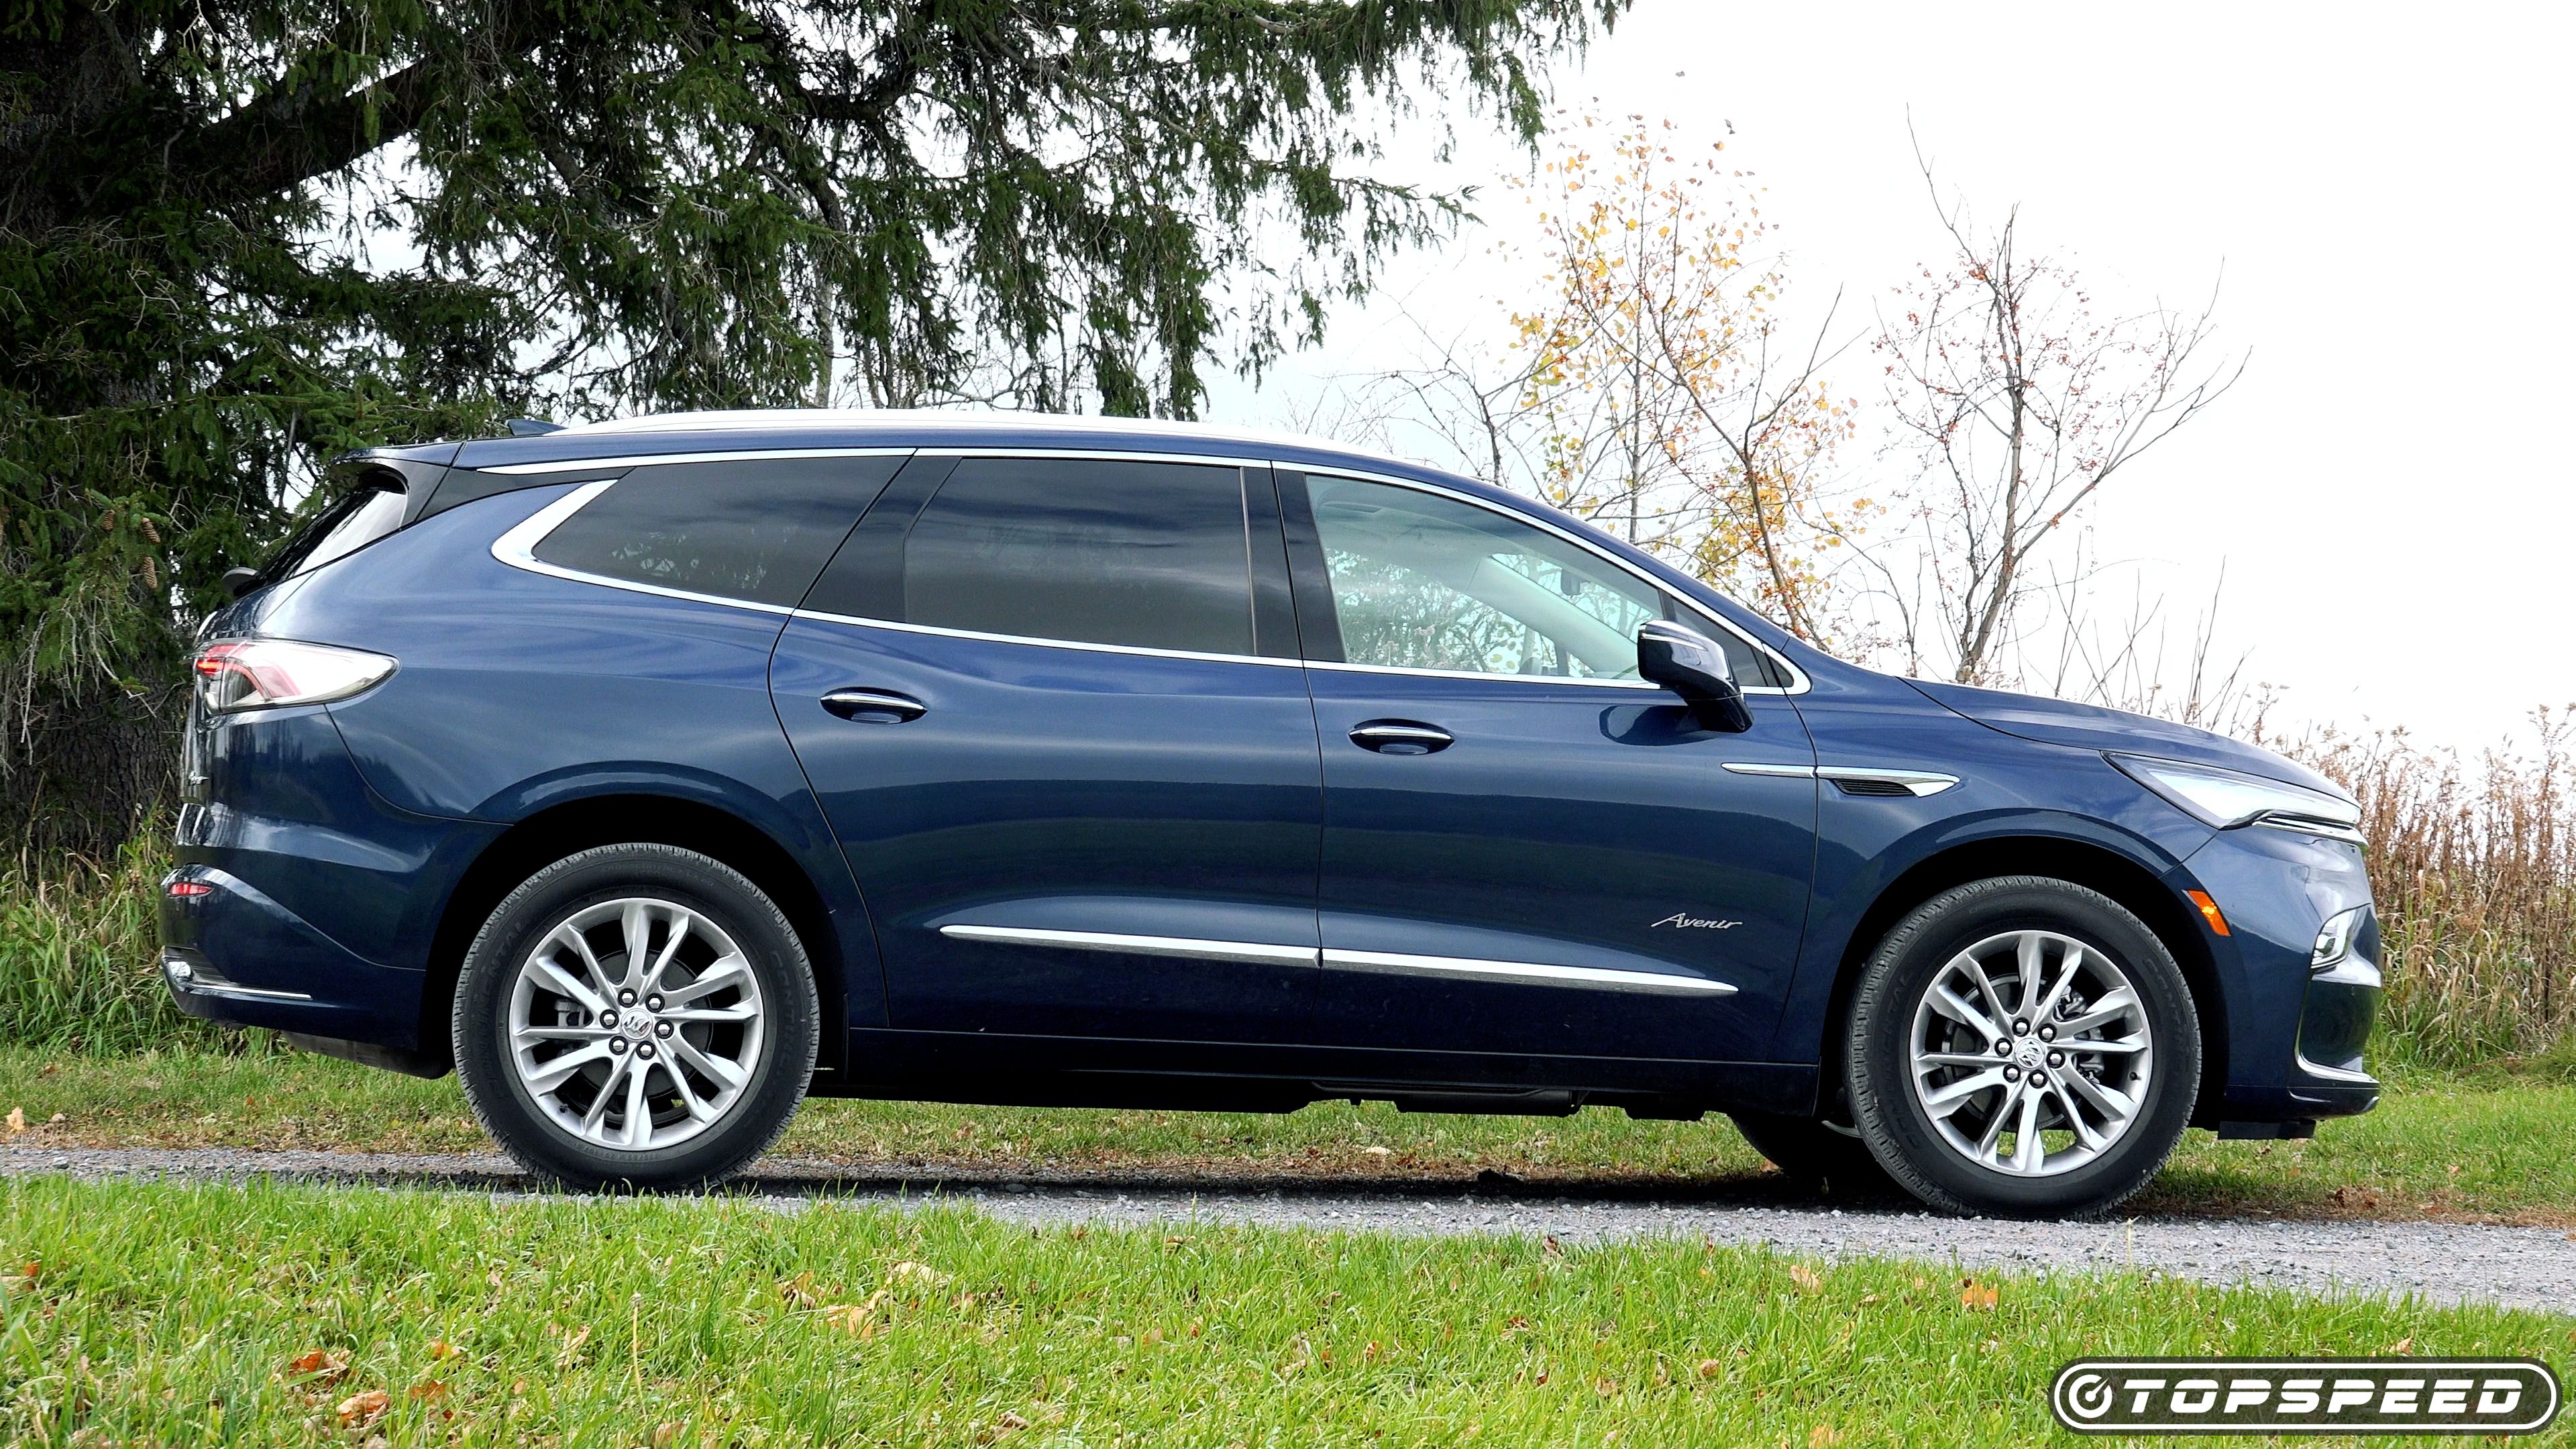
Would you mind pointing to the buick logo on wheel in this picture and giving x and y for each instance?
(2305, 1396)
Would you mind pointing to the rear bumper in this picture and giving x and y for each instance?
(237, 956)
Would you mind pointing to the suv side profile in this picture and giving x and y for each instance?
(652, 775)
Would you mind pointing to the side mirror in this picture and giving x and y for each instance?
(238, 581)
(1692, 665)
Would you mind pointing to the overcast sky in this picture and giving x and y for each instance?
(2388, 193)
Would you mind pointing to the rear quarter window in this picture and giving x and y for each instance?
(749, 530)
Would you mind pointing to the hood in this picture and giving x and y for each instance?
(2091, 727)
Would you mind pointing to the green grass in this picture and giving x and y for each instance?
(169, 1314)
(2513, 1143)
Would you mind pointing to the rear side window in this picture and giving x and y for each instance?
(371, 510)
(1149, 555)
(752, 530)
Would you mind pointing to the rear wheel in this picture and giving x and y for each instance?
(2022, 1047)
(636, 1015)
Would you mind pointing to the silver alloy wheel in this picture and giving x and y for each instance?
(635, 1024)
(2031, 1053)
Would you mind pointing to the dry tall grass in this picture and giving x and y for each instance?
(2474, 867)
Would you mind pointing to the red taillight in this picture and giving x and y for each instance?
(189, 890)
(261, 673)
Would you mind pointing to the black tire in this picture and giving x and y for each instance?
(1898, 1127)
(770, 949)
(1815, 1153)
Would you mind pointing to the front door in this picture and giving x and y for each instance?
(1527, 850)
(1073, 771)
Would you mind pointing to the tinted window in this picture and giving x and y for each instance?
(742, 530)
(1421, 581)
(375, 514)
(1144, 554)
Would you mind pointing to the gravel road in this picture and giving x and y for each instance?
(2441, 1262)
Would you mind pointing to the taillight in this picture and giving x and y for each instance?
(189, 890)
(243, 674)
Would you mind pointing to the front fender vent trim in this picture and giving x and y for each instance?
(1864, 780)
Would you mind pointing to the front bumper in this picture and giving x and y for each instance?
(2294, 1033)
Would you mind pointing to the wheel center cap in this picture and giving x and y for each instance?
(2027, 1053)
(635, 1025)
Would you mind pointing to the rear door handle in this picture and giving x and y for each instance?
(1401, 737)
(874, 706)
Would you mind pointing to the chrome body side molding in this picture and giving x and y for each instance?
(1252, 953)
(1261, 953)
(1606, 978)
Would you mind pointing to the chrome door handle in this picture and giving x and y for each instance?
(874, 706)
(1399, 737)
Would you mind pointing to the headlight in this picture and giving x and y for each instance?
(242, 674)
(2227, 799)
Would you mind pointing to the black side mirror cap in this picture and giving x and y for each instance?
(1693, 666)
(240, 581)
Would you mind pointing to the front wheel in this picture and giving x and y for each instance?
(2022, 1047)
(635, 1015)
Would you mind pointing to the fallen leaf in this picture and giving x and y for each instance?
(1605, 1386)
(664, 1433)
(17, 1120)
(1554, 1248)
(798, 1291)
(1806, 1279)
(57, 1117)
(433, 1389)
(1378, 1151)
(319, 1363)
(1821, 1436)
(440, 1348)
(1010, 1423)
(1866, 1299)
(920, 1272)
(2402, 1347)
(1978, 1296)
(361, 1409)
(1710, 1368)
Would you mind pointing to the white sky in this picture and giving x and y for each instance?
(2389, 195)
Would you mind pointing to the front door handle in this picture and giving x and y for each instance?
(1401, 737)
(874, 706)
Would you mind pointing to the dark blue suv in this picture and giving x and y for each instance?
(655, 774)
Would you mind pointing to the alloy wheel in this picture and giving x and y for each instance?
(2031, 1053)
(635, 1024)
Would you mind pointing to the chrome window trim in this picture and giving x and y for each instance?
(1253, 953)
(1606, 977)
(1799, 683)
(943, 632)
(517, 548)
(647, 460)
(1105, 455)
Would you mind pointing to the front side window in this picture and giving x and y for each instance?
(757, 530)
(1426, 582)
(1422, 581)
(1147, 555)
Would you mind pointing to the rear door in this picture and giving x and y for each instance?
(1053, 708)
